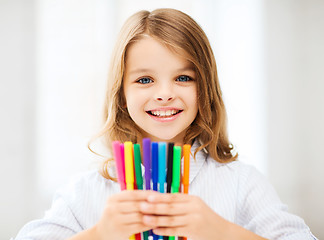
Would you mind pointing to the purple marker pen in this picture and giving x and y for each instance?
(147, 162)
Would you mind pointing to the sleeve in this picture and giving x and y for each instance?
(262, 212)
(60, 221)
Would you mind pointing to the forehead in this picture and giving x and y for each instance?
(150, 53)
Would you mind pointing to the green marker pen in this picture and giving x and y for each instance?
(176, 169)
(176, 173)
(138, 167)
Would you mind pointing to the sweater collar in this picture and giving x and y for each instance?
(197, 162)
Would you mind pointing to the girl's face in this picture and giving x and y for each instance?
(160, 90)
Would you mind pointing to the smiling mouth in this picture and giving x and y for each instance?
(164, 114)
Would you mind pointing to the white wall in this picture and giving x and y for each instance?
(53, 67)
(54, 60)
(295, 86)
(73, 40)
(17, 122)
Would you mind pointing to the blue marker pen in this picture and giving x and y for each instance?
(155, 166)
(155, 171)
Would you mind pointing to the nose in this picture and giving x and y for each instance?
(164, 93)
(162, 99)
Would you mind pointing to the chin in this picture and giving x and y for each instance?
(168, 138)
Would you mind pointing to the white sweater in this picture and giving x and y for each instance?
(236, 191)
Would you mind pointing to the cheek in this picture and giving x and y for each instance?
(194, 104)
(133, 112)
(193, 98)
(133, 95)
(129, 98)
(133, 103)
(131, 107)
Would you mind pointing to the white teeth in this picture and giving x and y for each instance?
(165, 113)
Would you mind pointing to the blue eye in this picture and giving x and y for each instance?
(184, 78)
(144, 80)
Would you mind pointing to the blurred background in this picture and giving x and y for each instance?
(54, 57)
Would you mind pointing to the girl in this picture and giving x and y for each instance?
(163, 85)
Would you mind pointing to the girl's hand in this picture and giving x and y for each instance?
(122, 216)
(187, 215)
(183, 215)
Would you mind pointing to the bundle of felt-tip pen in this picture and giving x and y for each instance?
(163, 171)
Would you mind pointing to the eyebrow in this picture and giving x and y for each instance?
(141, 70)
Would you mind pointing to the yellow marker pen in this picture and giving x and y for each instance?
(129, 165)
(129, 170)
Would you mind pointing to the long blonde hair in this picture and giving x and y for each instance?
(181, 33)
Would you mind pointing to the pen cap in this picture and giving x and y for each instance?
(155, 158)
(170, 162)
(186, 163)
(129, 163)
(120, 165)
(170, 166)
(162, 162)
(176, 166)
(137, 164)
(147, 162)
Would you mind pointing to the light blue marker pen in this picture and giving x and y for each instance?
(162, 166)
(162, 169)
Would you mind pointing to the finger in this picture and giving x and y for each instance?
(133, 195)
(168, 198)
(164, 208)
(165, 221)
(131, 218)
(130, 207)
(137, 228)
(133, 228)
(130, 223)
(116, 208)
